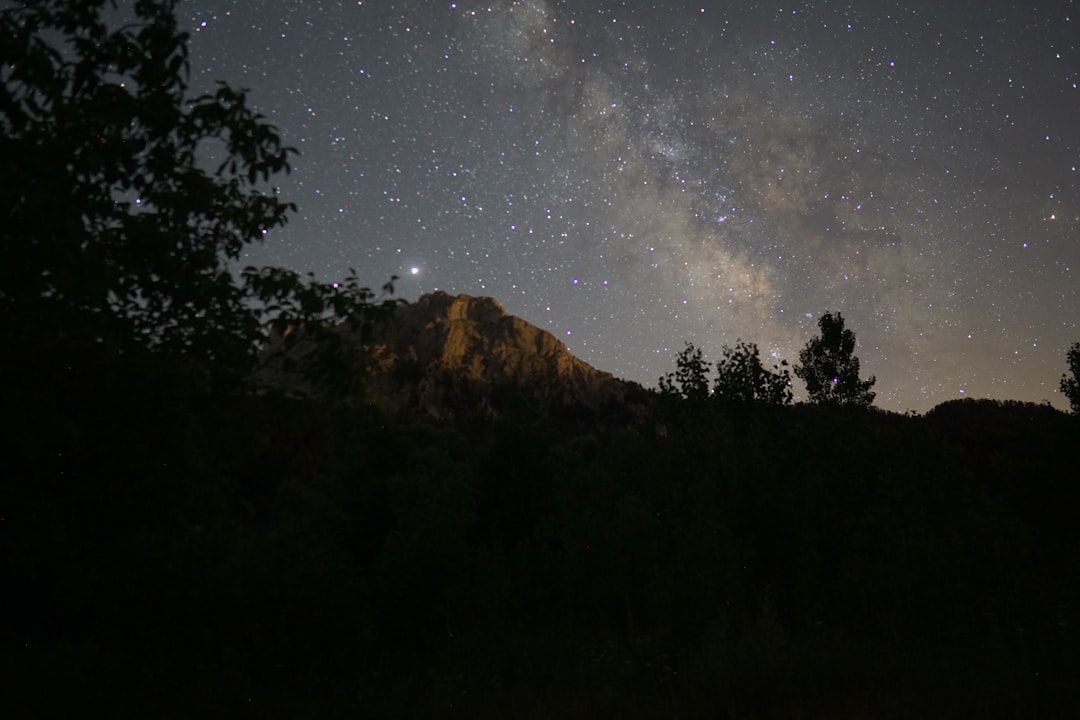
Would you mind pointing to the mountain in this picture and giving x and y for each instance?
(465, 358)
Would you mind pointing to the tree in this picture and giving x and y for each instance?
(741, 377)
(124, 200)
(1070, 386)
(691, 377)
(830, 369)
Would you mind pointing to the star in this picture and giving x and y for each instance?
(694, 172)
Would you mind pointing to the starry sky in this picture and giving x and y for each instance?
(635, 175)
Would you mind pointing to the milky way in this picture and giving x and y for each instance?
(632, 177)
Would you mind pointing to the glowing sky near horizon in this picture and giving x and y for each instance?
(634, 175)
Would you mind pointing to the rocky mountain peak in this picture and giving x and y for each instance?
(450, 356)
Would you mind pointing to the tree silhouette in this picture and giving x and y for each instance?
(829, 366)
(1070, 386)
(741, 377)
(691, 377)
(124, 199)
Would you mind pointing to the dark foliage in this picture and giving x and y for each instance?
(1070, 382)
(172, 554)
(740, 377)
(124, 199)
(690, 381)
(830, 369)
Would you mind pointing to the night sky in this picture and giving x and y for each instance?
(633, 175)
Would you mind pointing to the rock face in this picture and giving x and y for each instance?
(464, 357)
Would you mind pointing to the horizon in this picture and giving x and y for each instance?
(797, 385)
